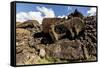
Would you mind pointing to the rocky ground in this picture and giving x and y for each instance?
(33, 47)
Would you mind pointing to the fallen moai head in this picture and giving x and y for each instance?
(71, 27)
(61, 27)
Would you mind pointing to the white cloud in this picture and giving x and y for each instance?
(63, 16)
(48, 12)
(92, 11)
(42, 12)
(69, 8)
(24, 16)
(36, 16)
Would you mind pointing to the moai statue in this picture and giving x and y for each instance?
(60, 27)
(74, 25)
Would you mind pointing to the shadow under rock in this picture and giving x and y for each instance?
(46, 38)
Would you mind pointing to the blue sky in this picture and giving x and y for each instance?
(59, 9)
(56, 10)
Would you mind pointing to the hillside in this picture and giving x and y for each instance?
(34, 47)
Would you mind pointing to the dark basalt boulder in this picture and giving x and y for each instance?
(66, 50)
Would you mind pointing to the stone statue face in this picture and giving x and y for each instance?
(71, 27)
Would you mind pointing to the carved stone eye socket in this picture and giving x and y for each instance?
(59, 29)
